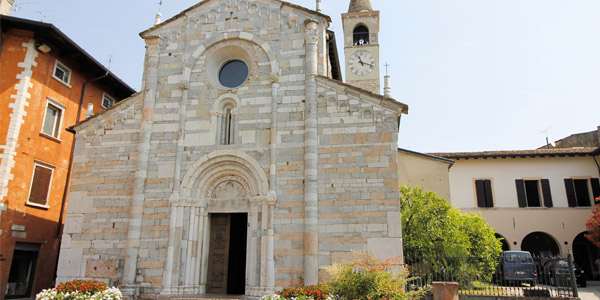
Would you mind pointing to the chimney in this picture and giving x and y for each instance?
(387, 86)
(90, 110)
(6, 7)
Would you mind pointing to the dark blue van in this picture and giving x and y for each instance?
(516, 266)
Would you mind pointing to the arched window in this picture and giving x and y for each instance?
(226, 125)
(224, 112)
(361, 35)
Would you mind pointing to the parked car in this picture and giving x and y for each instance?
(516, 266)
(556, 273)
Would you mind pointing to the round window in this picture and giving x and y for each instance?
(233, 74)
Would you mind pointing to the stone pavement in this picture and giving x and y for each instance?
(591, 292)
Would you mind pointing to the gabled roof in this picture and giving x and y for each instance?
(65, 47)
(428, 156)
(107, 112)
(310, 11)
(554, 152)
(382, 100)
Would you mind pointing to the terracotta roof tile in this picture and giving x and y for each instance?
(578, 151)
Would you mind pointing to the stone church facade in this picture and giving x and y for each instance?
(242, 167)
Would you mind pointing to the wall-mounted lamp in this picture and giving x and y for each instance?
(43, 48)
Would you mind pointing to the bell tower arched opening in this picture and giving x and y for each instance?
(361, 35)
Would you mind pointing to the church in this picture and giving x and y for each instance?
(245, 165)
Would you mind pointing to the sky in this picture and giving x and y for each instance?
(477, 75)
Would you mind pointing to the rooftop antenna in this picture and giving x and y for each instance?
(545, 131)
(109, 61)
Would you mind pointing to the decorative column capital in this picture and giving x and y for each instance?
(217, 114)
(311, 32)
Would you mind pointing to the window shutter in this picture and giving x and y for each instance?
(489, 199)
(40, 185)
(546, 193)
(595, 187)
(570, 192)
(521, 192)
(480, 190)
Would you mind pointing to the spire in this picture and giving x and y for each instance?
(360, 6)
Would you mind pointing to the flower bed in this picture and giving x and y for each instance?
(313, 292)
(81, 290)
(365, 278)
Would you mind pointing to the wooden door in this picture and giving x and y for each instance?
(218, 255)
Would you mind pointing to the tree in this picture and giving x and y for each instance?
(593, 225)
(441, 237)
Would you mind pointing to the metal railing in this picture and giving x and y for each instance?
(554, 277)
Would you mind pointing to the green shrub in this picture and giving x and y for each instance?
(368, 278)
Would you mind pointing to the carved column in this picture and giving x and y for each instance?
(137, 202)
(311, 213)
(272, 198)
(270, 202)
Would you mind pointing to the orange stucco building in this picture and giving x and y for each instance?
(47, 84)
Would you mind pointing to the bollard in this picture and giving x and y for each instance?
(445, 290)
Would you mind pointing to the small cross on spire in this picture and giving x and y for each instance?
(160, 3)
(386, 68)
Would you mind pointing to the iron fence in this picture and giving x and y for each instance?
(555, 277)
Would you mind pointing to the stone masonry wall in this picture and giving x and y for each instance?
(358, 181)
(273, 36)
(357, 189)
(100, 195)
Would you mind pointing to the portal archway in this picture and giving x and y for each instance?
(226, 188)
(540, 244)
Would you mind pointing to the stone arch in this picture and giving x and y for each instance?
(244, 36)
(226, 99)
(209, 170)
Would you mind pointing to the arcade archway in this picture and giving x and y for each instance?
(505, 245)
(585, 254)
(540, 244)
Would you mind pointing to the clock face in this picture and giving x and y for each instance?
(362, 62)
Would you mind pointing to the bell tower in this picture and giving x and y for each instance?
(361, 45)
(6, 7)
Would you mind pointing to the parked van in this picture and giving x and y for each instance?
(516, 266)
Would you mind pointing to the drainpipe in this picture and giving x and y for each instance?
(58, 230)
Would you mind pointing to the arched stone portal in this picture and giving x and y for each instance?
(221, 197)
(585, 254)
(540, 244)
